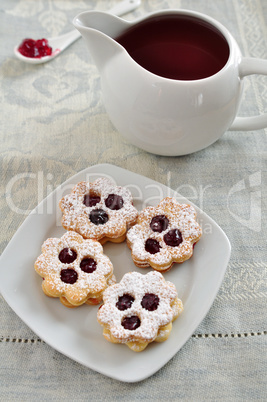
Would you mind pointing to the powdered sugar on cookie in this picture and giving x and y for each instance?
(99, 210)
(138, 309)
(74, 269)
(164, 234)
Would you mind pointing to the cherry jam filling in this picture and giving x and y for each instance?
(114, 202)
(90, 200)
(124, 302)
(35, 48)
(159, 223)
(67, 255)
(88, 265)
(98, 216)
(150, 301)
(152, 246)
(131, 323)
(68, 275)
(173, 238)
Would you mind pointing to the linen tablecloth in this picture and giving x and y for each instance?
(54, 124)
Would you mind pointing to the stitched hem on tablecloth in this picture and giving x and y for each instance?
(231, 335)
(196, 336)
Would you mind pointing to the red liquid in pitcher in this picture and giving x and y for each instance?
(176, 46)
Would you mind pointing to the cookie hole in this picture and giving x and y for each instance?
(124, 302)
(67, 255)
(173, 238)
(159, 223)
(114, 202)
(98, 216)
(88, 265)
(152, 246)
(150, 302)
(91, 199)
(69, 276)
(132, 323)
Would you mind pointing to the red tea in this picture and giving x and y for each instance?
(176, 46)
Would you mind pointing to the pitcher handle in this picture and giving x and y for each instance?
(248, 66)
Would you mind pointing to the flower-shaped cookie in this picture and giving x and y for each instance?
(99, 210)
(163, 235)
(74, 269)
(139, 310)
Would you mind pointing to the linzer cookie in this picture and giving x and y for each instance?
(99, 210)
(163, 235)
(74, 269)
(139, 310)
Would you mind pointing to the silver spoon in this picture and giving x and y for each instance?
(61, 42)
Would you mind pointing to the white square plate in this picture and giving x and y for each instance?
(76, 332)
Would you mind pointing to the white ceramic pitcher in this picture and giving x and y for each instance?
(161, 115)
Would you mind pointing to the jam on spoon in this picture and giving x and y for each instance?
(35, 48)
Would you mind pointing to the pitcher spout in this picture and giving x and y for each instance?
(99, 30)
